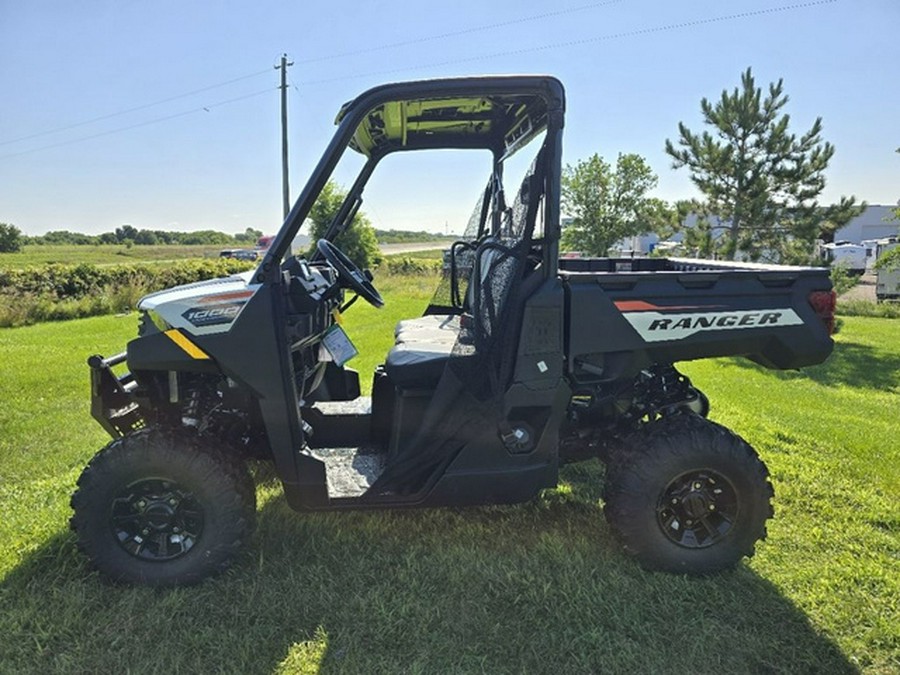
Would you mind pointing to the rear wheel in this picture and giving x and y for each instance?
(687, 495)
(162, 509)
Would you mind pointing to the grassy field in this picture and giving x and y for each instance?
(117, 254)
(534, 588)
(105, 254)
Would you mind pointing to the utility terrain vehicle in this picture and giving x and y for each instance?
(522, 362)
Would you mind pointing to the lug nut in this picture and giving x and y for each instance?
(712, 507)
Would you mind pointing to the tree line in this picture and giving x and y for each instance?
(12, 239)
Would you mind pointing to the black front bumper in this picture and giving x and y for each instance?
(113, 403)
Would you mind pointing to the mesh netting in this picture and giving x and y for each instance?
(456, 268)
(484, 349)
(468, 398)
(476, 220)
(453, 293)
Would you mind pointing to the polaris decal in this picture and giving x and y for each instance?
(213, 316)
(658, 327)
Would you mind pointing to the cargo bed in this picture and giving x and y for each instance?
(625, 313)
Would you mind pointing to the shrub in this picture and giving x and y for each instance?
(885, 310)
(841, 279)
(411, 266)
(54, 292)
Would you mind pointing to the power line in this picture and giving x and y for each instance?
(457, 33)
(134, 109)
(206, 108)
(575, 43)
(482, 57)
(368, 50)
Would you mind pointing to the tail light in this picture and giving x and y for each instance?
(824, 303)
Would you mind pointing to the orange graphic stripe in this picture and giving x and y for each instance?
(644, 306)
(224, 297)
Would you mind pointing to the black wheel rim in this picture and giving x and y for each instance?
(697, 509)
(156, 520)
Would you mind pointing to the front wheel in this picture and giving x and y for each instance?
(162, 509)
(687, 495)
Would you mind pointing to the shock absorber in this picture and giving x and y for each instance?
(190, 416)
(661, 387)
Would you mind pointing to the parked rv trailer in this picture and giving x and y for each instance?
(887, 284)
(844, 253)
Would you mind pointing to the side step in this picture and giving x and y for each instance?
(339, 424)
(350, 471)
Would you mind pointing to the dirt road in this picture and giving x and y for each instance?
(391, 249)
(864, 290)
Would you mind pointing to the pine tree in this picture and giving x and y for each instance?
(760, 181)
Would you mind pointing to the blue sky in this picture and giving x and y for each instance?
(628, 86)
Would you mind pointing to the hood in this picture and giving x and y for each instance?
(200, 308)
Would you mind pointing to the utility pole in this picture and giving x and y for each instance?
(285, 188)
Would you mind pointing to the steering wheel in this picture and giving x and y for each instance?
(347, 270)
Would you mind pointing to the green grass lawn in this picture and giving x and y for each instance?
(539, 587)
(103, 254)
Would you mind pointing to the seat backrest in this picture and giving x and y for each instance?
(484, 257)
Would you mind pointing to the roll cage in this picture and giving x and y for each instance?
(498, 114)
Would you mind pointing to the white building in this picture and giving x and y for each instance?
(876, 222)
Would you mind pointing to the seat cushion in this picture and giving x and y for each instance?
(418, 364)
(432, 327)
(438, 335)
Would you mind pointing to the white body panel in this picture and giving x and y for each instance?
(201, 308)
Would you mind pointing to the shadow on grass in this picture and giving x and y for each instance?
(851, 363)
(535, 588)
